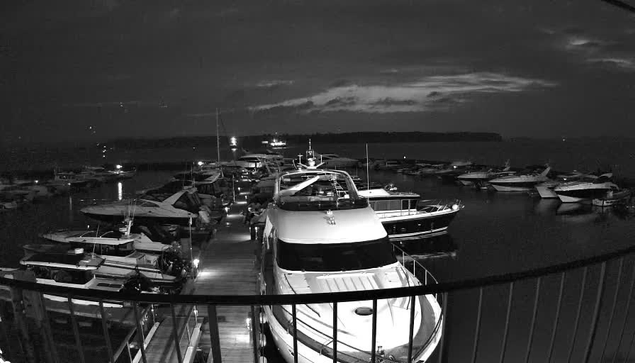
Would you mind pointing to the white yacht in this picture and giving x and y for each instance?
(520, 183)
(321, 236)
(406, 216)
(481, 178)
(178, 208)
(546, 189)
(586, 190)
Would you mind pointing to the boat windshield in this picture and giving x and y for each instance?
(336, 256)
(189, 202)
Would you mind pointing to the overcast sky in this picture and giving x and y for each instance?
(101, 69)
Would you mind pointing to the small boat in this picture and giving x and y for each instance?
(321, 236)
(405, 215)
(612, 198)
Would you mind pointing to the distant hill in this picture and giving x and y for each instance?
(330, 138)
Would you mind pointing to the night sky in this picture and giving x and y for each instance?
(102, 69)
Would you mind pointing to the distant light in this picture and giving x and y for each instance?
(200, 163)
(37, 181)
(404, 156)
(118, 166)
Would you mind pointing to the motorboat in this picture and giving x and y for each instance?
(612, 198)
(585, 190)
(481, 178)
(546, 188)
(179, 208)
(74, 180)
(405, 215)
(144, 238)
(166, 270)
(520, 183)
(321, 236)
(335, 161)
(75, 269)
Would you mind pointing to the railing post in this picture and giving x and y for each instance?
(444, 332)
(255, 332)
(478, 324)
(533, 319)
(140, 335)
(627, 314)
(596, 312)
(413, 300)
(373, 352)
(213, 333)
(104, 326)
(294, 315)
(335, 332)
(78, 342)
(556, 319)
(577, 317)
(175, 335)
(507, 316)
(615, 296)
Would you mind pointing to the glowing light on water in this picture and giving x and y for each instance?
(119, 191)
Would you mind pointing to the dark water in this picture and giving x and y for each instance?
(496, 233)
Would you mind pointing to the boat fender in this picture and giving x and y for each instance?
(204, 216)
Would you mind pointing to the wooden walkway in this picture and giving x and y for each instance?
(227, 267)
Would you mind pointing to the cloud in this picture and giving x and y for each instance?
(425, 94)
(274, 83)
(592, 49)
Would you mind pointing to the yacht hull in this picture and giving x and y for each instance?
(511, 187)
(414, 226)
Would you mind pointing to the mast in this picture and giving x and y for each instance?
(367, 170)
(217, 139)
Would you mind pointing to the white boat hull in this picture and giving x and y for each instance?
(509, 188)
(546, 192)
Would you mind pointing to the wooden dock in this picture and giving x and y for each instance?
(228, 266)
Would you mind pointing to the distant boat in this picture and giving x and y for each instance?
(612, 198)
(520, 183)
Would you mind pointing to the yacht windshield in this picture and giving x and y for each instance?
(335, 257)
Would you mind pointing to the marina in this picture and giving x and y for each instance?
(229, 263)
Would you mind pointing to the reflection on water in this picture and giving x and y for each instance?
(437, 246)
(119, 190)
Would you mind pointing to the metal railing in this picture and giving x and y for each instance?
(577, 311)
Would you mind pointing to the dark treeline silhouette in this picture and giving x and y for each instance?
(329, 138)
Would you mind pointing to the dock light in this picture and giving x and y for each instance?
(200, 163)
(195, 262)
(118, 167)
(226, 209)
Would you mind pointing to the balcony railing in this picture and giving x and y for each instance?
(577, 311)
